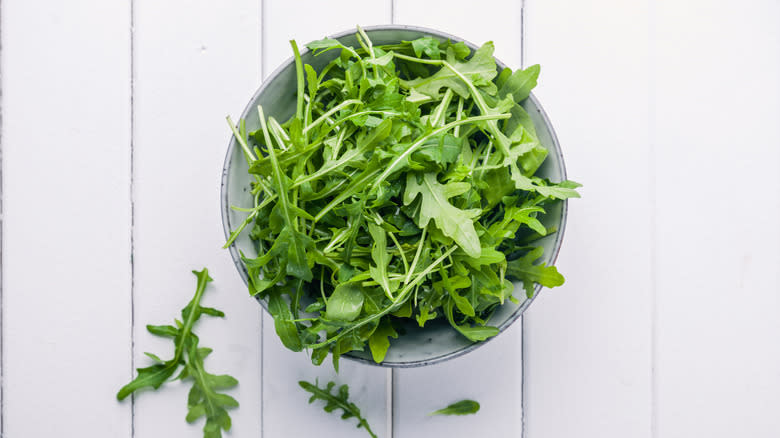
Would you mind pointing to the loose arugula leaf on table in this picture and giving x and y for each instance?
(403, 189)
(338, 400)
(463, 407)
(204, 399)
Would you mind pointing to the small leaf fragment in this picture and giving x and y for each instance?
(463, 407)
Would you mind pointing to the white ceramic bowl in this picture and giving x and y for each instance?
(437, 341)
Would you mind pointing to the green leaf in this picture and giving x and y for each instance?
(451, 285)
(563, 190)
(472, 333)
(425, 316)
(404, 310)
(163, 330)
(426, 45)
(155, 375)
(203, 399)
(285, 328)
(311, 79)
(323, 45)
(453, 222)
(463, 407)
(383, 60)
(480, 69)
(379, 342)
(381, 258)
(529, 273)
(443, 149)
(520, 83)
(338, 400)
(345, 303)
(295, 241)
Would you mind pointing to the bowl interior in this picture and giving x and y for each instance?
(418, 346)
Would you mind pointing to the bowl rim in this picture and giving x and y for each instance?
(225, 206)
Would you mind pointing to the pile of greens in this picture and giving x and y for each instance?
(402, 189)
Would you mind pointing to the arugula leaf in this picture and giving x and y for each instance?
(285, 328)
(379, 342)
(339, 400)
(381, 258)
(526, 271)
(463, 407)
(480, 69)
(204, 398)
(345, 303)
(472, 333)
(520, 83)
(452, 221)
(427, 45)
(323, 45)
(157, 374)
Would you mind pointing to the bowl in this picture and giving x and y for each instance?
(437, 341)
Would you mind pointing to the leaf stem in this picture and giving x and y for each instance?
(333, 110)
(240, 139)
(299, 77)
(369, 49)
(475, 94)
(399, 299)
(277, 171)
(410, 271)
(416, 145)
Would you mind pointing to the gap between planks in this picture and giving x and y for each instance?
(263, 51)
(2, 227)
(132, 212)
(652, 168)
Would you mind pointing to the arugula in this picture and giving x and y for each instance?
(452, 221)
(338, 400)
(402, 189)
(204, 399)
(463, 407)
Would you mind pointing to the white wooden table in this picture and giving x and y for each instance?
(668, 111)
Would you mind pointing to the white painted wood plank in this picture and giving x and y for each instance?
(494, 20)
(492, 374)
(66, 249)
(195, 62)
(285, 412)
(717, 106)
(588, 343)
(309, 20)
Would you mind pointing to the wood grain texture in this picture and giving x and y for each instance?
(716, 112)
(285, 412)
(195, 63)
(66, 198)
(492, 374)
(589, 343)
